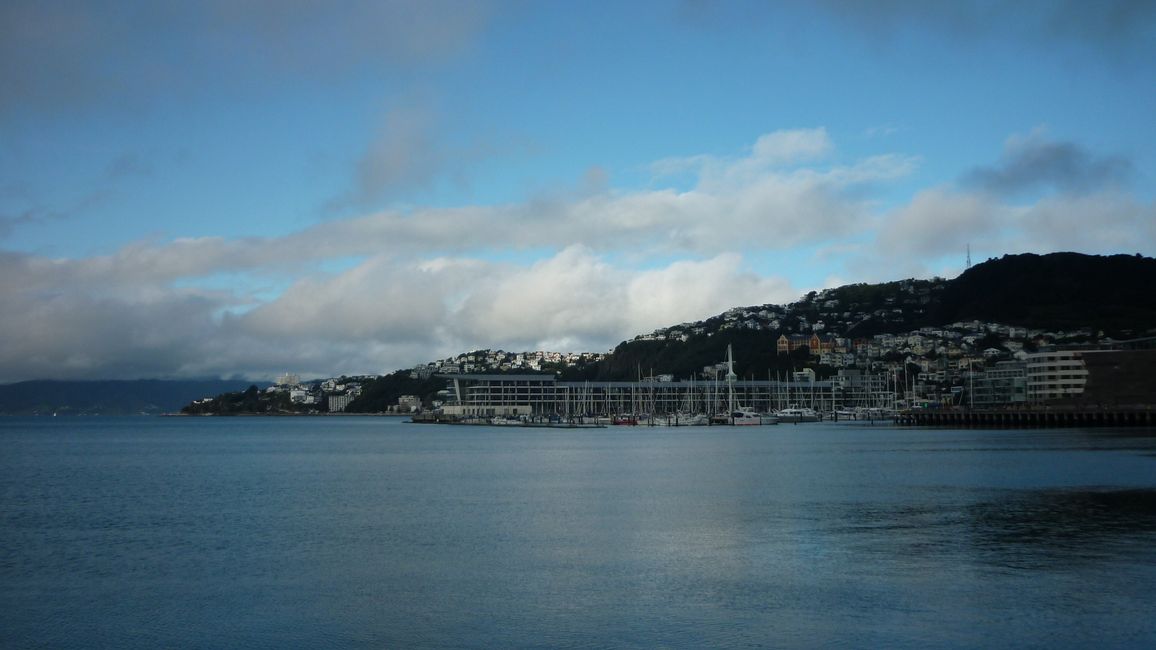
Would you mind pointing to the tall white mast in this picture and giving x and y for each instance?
(730, 380)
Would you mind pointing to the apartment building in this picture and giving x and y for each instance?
(1055, 374)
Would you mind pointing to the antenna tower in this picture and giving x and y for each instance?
(968, 266)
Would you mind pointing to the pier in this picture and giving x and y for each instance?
(1052, 416)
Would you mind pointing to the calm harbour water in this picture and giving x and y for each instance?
(373, 532)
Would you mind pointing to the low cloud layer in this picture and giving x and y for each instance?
(390, 289)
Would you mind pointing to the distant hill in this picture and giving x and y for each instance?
(1114, 293)
(1059, 291)
(139, 397)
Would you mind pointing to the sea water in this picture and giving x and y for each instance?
(374, 533)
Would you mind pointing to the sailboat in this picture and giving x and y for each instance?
(740, 415)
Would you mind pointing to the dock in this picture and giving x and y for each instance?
(440, 418)
(1056, 416)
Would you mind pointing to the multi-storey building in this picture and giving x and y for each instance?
(1003, 385)
(337, 403)
(1055, 374)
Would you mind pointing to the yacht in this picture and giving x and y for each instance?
(681, 420)
(796, 415)
(742, 416)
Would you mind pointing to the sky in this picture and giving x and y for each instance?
(230, 188)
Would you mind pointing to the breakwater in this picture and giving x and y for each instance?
(1030, 418)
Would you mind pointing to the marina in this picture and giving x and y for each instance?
(724, 400)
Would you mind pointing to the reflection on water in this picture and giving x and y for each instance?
(1053, 528)
(1025, 529)
(359, 532)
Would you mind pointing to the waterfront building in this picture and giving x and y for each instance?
(1055, 374)
(337, 403)
(409, 403)
(1003, 385)
(473, 395)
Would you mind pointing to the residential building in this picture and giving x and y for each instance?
(1003, 385)
(1055, 374)
(409, 403)
(337, 403)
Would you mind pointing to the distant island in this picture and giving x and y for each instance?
(109, 397)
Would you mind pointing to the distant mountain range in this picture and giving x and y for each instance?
(139, 397)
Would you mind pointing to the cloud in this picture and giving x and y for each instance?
(431, 282)
(404, 155)
(1104, 222)
(880, 131)
(938, 222)
(593, 268)
(53, 328)
(1105, 24)
(1035, 162)
(70, 56)
(314, 37)
(776, 149)
(33, 211)
(1109, 27)
(782, 147)
(377, 316)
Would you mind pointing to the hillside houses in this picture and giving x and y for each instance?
(489, 361)
(875, 328)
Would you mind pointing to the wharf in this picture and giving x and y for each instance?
(438, 418)
(1136, 416)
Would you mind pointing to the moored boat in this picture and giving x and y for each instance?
(742, 416)
(797, 415)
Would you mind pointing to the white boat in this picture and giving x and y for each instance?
(503, 421)
(796, 415)
(863, 415)
(681, 420)
(745, 417)
(742, 417)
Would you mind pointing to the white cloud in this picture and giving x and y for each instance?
(604, 265)
(1107, 222)
(783, 147)
(939, 221)
(379, 315)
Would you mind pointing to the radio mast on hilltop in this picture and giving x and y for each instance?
(968, 265)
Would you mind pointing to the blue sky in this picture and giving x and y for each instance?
(223, 187)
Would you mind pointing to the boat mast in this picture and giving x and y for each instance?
(730, 380)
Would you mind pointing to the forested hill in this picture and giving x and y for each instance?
(1060, 291)
(140, 397)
